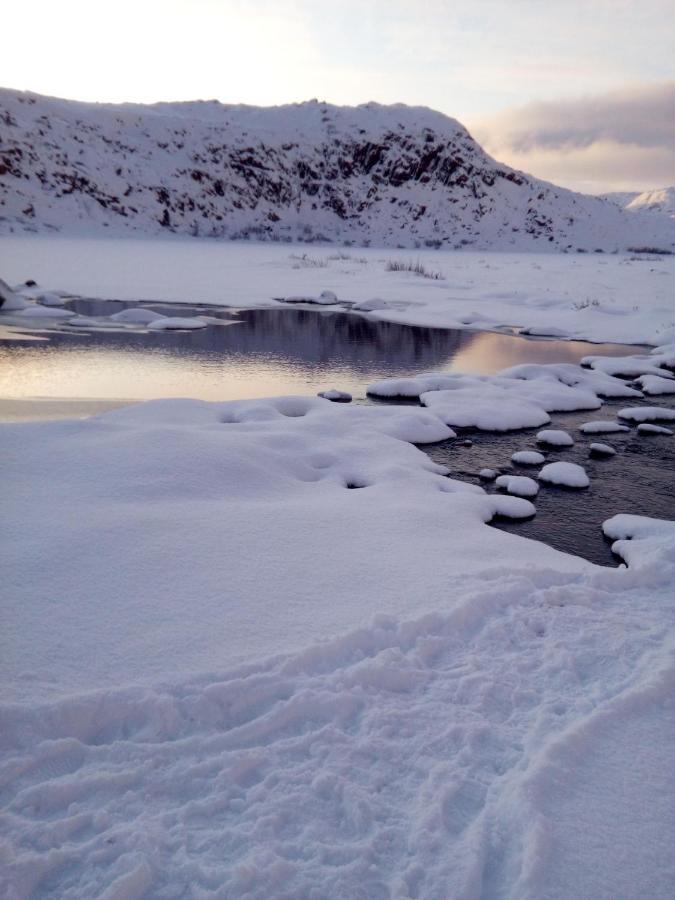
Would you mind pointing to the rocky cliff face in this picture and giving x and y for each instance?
(391, 176)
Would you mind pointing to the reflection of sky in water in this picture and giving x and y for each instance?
(266, 352)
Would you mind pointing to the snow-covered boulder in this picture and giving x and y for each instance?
(553, 437)
(599, 449)
(518, 485)
(602, 427)
(647, 414)
(565, 474)
(649, 428)
(336, 396)
(177, 323)
(137, 315)
(528, 458)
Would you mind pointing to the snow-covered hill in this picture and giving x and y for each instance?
(386, 175)
(657, 201)
(662, 201)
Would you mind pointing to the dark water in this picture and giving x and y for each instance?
(638, 480)
(255, 353)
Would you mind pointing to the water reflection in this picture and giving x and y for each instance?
(256, 353)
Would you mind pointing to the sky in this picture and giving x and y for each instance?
(555, 87)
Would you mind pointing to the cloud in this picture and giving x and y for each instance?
(623, 140)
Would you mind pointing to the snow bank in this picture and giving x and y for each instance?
(566, 474)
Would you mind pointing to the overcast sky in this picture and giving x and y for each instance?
(581, 92)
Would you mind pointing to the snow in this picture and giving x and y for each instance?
(602, 449)
(136, 316)
(482, 291)
(487, 474)
(566, 474)
(656, 384)
(647, 413)
(336, 396)
(9, 299)
(602, 427)
(647, 428)
(227, 674)
(528, 458)
(485, 407)
(554, 437)
(173, 323)
(519, 485)
(49, 298)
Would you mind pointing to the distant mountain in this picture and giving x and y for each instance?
(387, 175)
(657, 201)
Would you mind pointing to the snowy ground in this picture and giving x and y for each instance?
(596, 297)
(268, 649)
(471, 722)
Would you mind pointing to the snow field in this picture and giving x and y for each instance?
(433, 756)
(481, 291)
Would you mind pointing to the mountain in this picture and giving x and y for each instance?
(661, 201)
(656, 201)
(387, 175)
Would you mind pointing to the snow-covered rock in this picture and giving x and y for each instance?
(336, 396)
(566, 474)
(602, 427)
(487, 474)
(528, 458)
(656, 384)
(647, 414)
(49, 298)
(648, 428)
(519, 485)
(599, 449)
(554, 437)
(390, 175)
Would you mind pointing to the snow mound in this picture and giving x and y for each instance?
(647, 413)
(336, 396)
(566, 474)
(602, 427)
(647, 428)
(137, 315)
(599, 449)
(656, 384)
(487, 474)
(49, 298)
(177, 323)
(555, 438)
(528, 458)
(485, 407)
(519, 485)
